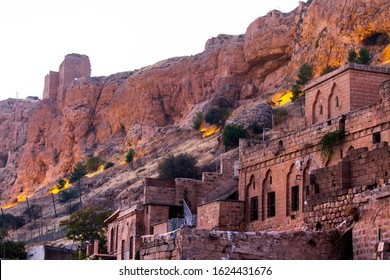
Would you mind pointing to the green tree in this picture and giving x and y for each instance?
(11, 250)
(217, 116)
(87, 224)
(108, 165)
(180, 166)
(352, 56)
(364, 56)
(305, 74)
(328, 69)
(60, 183)
(93, 164)
(197, 121)
(32, 213)
(67, 196)
(79, 171)
(9, 221)
(130, 155)
(296, 91)
(232, 134)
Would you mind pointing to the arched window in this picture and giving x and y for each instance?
(337, 102)
(321, 110)
(112, 240)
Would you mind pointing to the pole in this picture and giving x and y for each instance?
(78, 185)
(54, 205)
(3, 216)
(28, 208)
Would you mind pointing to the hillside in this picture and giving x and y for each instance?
(151, 109)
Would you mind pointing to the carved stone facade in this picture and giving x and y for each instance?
(350, 87)
(289, 184)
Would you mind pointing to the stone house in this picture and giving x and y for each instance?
(162, 208)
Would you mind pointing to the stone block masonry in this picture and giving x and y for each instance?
(74, 66)
(351, 87)
(197, 244)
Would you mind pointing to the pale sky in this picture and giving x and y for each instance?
(117, 35)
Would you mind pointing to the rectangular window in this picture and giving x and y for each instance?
(254, 208)
(123, 250)
(295, 198)
(376, 138)
(131, 247)
(271, 205)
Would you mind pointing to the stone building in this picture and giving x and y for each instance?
(163, 208)
(288, 184)
(350, 87)
(333, 200)
(74, 66)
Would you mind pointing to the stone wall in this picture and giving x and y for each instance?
(350, 87)
(221, 215)
(52, 81)
(74, 66)
(373, 226)
(290, 161)
(126, 229)
(196, 244)
(335, 187)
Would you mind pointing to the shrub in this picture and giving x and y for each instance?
(93, 163)
(328, 69)
(217, 116)
(130, 155)
(78, 172)
(281, 112)
(108, 165)
(60, 183)
(352, 56)
(67, 195)
(197, 121)
(232, 134)
(32, 213)
(305, 74)
(364, 56)
(256, 128)
(9, 221)
(329, 141)
(180, 166)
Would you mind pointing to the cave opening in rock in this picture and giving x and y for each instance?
(377, 39)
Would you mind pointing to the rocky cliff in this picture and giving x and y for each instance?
(41, 141)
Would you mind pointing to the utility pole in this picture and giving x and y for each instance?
(78, 185)
(54, 205)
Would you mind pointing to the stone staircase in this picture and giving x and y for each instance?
(223, 191)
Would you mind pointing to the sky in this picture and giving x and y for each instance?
(117, 35)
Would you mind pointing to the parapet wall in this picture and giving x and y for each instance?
(196, 244)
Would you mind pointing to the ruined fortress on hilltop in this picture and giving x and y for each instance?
(74, 66)
(285, 198)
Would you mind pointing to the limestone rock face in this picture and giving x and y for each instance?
(260, 114)
(40, 141)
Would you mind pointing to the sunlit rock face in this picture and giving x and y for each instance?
(40, 141)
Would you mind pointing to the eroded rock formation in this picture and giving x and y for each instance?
(104, 115)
